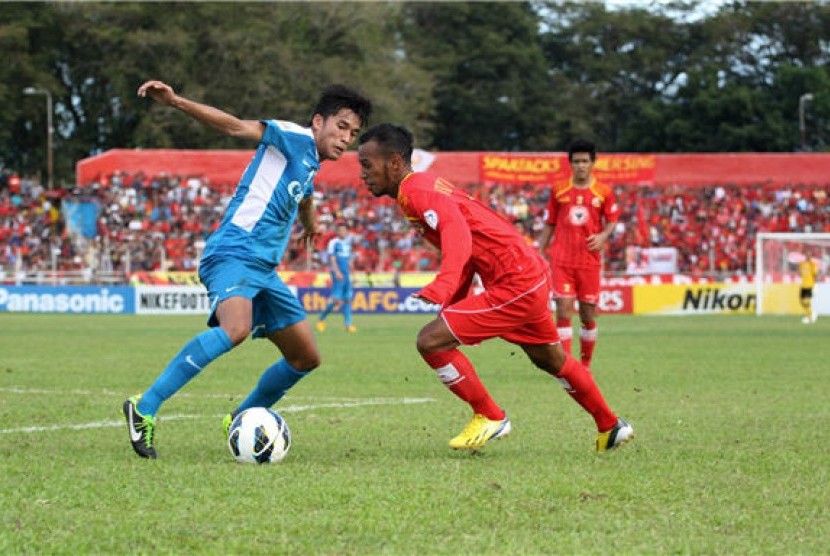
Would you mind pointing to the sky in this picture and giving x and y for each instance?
(702, 8)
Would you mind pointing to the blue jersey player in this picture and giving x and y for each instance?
(238, 265)
(339, 259)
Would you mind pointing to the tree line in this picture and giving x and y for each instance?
(498, 76)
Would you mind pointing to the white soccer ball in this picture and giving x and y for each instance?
(259, 435)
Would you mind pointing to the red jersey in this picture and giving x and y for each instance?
(576, 213)
(472, 238)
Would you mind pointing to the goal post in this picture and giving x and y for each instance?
(777, 280)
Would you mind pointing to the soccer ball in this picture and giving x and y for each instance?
(259, 435)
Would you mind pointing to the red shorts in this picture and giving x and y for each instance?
(518, 313)
(582, 283)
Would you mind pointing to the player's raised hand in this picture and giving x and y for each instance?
(158, 91)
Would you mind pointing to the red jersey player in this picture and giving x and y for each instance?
(581, 214)
(513, 306)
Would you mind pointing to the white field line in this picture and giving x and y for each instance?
(181, 417)
(25, 390)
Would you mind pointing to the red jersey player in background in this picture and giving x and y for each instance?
(581, 214)
(513, 306)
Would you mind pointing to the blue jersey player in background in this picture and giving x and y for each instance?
(238, 265)
(339, 259)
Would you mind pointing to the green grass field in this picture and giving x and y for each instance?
(731, 454)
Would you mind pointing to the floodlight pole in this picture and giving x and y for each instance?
(49, 130)
(802, 127)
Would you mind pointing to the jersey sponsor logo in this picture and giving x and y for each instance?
(431, 218)
(578, 215)
(295, 189)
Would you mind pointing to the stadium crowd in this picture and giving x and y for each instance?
(160, 223)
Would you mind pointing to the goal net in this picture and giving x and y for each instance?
(777, 280)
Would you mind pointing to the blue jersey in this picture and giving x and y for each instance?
(258, 221)
(340, 254)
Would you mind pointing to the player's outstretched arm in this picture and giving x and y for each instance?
(208, 115)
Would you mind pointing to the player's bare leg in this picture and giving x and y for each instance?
(439, 348)
(587, 332)
(297, 345)
(578, 382)
(300, 356)
(235, 316)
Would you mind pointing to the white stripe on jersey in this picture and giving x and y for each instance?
(294, 128)
(256, 200)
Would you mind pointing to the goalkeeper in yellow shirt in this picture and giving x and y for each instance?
(808, 269)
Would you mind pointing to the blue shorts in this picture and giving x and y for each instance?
(274, 306)
(341, 289)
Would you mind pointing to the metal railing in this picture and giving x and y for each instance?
(83, 277)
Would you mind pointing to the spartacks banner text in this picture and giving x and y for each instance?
(547, 168)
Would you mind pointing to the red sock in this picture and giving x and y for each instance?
(563, 327)
(587, 341)
(579, 383)
(459, 375)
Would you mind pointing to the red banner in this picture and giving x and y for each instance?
(631, 169)
(523, 168)
(616, 300)
(464, 168)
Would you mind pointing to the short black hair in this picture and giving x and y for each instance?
(336, 97)
(394, 139)
(582, 146)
